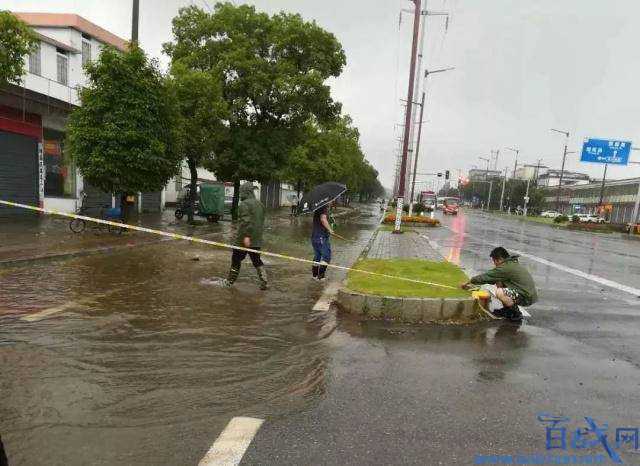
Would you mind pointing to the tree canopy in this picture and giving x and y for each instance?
(332, 152)
(202, 118)
(273, 71)
(125, 137)
(16, 41)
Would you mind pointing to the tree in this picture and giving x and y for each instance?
(202, 119)
(273, 71)
(16, 41)
(331, 152)
(125, 136)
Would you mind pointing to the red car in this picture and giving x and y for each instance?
(450, 208)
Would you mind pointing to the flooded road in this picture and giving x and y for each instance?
(130, 359)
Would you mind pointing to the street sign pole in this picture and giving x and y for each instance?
(604, 179)
(564, 159)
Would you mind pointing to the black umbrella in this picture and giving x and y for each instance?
(320, 196)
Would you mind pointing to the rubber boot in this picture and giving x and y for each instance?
(262, 276)
(314, 271)
(231, 279)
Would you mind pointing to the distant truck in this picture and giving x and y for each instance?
(428, 200)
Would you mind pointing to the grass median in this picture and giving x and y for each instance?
(444, 273)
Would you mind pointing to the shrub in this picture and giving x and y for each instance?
(391, 218)
(575, 219)
(561, 219)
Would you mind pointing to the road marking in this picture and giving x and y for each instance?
(50, 311)
(230, 446)
(564, 268)
(328, 297)
(580, 273)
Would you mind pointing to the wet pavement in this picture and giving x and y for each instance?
(128, 358)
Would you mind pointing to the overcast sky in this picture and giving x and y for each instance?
(522, 67)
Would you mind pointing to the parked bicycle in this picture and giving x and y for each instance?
(106, 212)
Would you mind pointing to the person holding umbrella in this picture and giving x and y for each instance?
(318, 201)
(320, 241)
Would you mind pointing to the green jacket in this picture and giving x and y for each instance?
(512, 275)
(250, 217)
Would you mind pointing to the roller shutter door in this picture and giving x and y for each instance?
(18, 172)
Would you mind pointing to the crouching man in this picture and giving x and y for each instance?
(509, 282)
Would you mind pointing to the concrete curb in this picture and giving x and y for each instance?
(414, 310)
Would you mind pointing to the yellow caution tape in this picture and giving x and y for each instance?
(214, 243)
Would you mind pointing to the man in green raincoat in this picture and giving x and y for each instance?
(250, 227)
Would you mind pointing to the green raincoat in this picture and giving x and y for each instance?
(250, 217)
(512, 275)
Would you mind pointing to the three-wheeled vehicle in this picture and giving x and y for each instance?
(208, 202)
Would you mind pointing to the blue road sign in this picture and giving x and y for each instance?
(606, 151)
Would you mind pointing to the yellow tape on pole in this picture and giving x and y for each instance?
(214, 243)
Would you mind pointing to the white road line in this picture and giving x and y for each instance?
(572, 271)
(50, 311)
(580, 273)
(328, 297)
(230, 446)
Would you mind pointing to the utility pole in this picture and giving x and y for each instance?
(407, 120)
(564, 159)
(134, 21)
(538, 171)
(416, 88)
(489, 198)
(504, 182)
(515, 165)
(415, 156)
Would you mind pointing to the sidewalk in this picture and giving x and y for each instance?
(410, 244)
(36, 238)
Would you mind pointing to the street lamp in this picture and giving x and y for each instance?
(417, 152)
(486, 179)
(564, 158)
(515, 166)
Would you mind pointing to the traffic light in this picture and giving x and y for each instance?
(446, 175)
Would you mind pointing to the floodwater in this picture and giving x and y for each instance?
(135, 358)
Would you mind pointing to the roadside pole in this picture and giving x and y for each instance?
(636, 207)
(415, 157)
(526, 197)
(489, 198)
(407, 120)
(135, 15)
(504, 182)
(604, 179)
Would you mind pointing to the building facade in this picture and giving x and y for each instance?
(33, 167)
(477, 174)
(619, 198)
(552, 178)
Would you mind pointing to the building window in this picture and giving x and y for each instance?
(63, 67)
(35, 66)
(86, 49)
(60, 180)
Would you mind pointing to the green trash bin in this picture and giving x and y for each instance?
(212, 201)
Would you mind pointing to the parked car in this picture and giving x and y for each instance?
(550, 214)
(590, 218)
